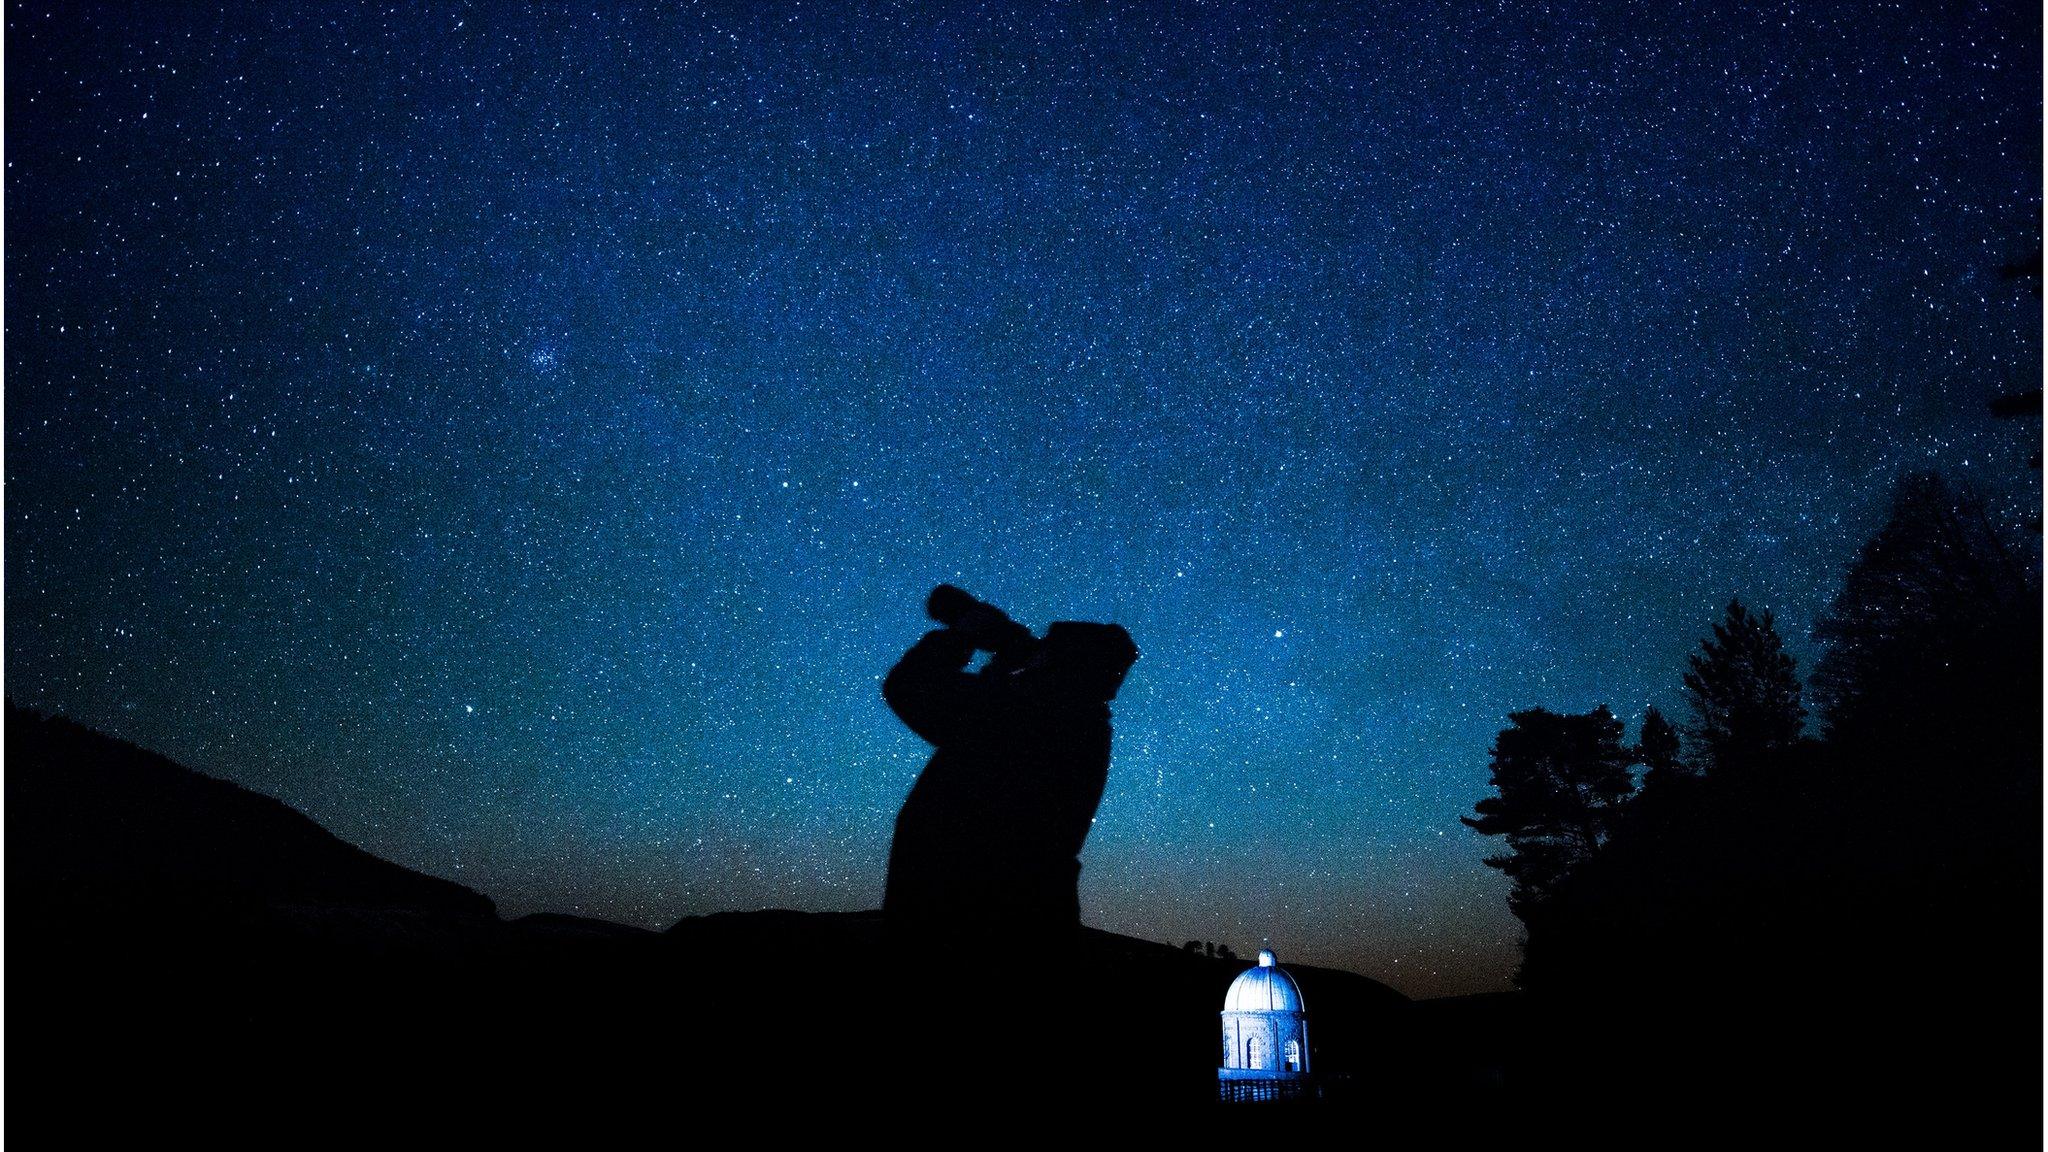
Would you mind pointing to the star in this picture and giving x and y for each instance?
(1498, 352)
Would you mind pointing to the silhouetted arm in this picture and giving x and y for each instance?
(930, 689)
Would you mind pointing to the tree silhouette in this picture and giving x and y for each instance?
(1931, 613)
(1558, 780)
(2014, 405)
(1744, 692)
(2026, 402)
(2025, 271)
(1895, 861)
(1658, 750)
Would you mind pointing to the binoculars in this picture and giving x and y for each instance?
(986, 626)
(1088, 661)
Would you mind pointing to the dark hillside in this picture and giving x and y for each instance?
(172, 933)
(107, 825)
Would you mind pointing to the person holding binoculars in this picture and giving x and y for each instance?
(988, 842)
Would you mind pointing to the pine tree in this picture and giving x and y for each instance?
(1658, 749)
(1744, 693)
(1559, 781)
(1934, 621)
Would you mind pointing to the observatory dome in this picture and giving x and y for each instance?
(1266, 988)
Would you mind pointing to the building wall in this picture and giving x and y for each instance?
(1256, 1042)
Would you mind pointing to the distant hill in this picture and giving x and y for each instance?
(106, 824)
(197, 933)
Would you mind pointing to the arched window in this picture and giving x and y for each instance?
(1294, 1055)
(1255, 1051)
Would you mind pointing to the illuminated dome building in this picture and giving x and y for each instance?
(1265, 1036)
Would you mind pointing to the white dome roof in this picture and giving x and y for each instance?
(1266, 988)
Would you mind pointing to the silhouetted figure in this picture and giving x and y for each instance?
(988, 842)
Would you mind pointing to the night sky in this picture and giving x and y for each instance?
(521, 439)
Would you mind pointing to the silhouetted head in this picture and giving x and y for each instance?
(1083, 661)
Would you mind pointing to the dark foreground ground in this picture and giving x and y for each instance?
(188, 956)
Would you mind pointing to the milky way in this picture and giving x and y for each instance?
(522, 439)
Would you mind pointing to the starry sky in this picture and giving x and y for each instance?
(521, 438)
